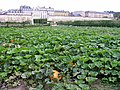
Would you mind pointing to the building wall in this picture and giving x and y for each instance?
(19, 14)
(40, 14)
(93, 14)
(50, 11)
(0, 11)
(11, 18)
(61, 13)
(79, 13)
(68, 18)
(43, 12)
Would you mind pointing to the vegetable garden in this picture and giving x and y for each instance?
(59, 58)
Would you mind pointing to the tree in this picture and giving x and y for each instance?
(117, 15)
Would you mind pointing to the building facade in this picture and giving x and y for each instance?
(50, 11)
(61, 13)
(94, 14)
(17, 12)
(78, 13)
(2, 12)
(16, 18)
(38, 12)
(69, 18)
(26, 13)
(26, 9)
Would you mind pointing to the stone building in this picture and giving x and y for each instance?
(94, 14)
(78, 13)
(61, 13)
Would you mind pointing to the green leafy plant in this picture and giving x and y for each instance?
(81, 55)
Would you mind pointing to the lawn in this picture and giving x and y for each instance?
(63, 57)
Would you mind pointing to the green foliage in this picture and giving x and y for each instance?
(14, 24)
(117, 15)
(40, 21)
(97, 23)
(80, 54)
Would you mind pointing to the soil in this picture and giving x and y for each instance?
(99, 85)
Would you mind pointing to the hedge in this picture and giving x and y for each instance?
(98, 23)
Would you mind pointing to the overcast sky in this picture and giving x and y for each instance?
(71, 5)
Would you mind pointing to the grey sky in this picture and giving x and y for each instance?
(71, 5)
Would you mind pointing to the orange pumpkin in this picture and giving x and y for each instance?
(12, 41)
(56, 75)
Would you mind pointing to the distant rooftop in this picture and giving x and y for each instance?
(97, 12)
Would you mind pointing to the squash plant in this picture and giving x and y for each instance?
(79, 55)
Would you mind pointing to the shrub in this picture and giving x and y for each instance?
(97, 23)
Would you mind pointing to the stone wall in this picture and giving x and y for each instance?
(11, 18)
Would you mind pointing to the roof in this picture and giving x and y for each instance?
(97, 12)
